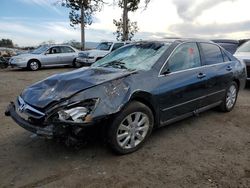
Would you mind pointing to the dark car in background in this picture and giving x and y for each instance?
(133, 89)
(229, 45)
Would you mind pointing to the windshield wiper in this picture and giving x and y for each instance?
(115, 64)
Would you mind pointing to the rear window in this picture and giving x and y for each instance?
(212, 54)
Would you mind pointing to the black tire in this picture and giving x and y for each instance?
(33, 65)
(75, 64)
(132, 109)
(224, 107)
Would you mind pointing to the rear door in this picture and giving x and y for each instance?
(68, 55)
(181, 89)
(219, 71)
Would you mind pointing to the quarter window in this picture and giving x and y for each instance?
(212, 54)
(185, 57)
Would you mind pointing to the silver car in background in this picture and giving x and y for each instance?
(45, 56)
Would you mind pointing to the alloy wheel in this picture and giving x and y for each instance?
(133, 130)
(34, 65)
(231, 96)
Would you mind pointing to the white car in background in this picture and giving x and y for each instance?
(88, 57)
(45, 56)
(243, 54)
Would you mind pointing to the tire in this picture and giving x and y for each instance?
(230, 98)
(75, 64)
(125, 137)
(33, 65)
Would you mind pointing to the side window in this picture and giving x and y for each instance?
(212, 54)
(117, 45)
(184, 57)
(55, 50)
(66, 49)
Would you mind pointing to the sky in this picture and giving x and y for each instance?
(30, 22)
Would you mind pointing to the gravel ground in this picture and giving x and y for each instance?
(212, 150)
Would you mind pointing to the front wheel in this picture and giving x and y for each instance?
(33, 65)
(130, 128)
(230, 97)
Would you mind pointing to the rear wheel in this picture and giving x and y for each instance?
(76, 64)
(33, 65)
(230, 97)
(130, 128)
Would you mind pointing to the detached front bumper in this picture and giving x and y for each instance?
(47, 131)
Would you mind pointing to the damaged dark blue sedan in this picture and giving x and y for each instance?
(133, 90)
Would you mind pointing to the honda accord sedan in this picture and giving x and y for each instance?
(46, 56)
(132, 90)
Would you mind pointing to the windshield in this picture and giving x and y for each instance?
(244, 48)
(138, 56)
(40, 50)
(104, 46)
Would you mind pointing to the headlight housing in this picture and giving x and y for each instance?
(77, 112)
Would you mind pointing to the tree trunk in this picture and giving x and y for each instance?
(82, 29)
(125, 20)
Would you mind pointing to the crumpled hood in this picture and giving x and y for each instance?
(61, 86)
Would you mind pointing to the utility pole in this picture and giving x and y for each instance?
(125, 20)
(82, 29)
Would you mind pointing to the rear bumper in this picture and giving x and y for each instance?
(85, 61)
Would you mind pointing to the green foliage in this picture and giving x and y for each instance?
(6, 43)
(132, 29)
(88, 6)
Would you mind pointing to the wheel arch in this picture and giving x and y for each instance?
(237, 81)
(147, 99)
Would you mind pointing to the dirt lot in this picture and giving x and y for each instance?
(212, 150)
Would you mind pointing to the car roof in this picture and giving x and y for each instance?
(180, 40)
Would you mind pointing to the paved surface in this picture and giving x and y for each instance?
(212, 150)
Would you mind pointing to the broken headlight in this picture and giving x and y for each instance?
(78, 112)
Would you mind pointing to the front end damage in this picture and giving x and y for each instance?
(72, 115)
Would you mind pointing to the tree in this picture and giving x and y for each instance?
(82, 13)
(6, 43)
(125, 28)
(49, 42)
(73, 43)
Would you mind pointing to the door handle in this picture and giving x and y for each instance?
(229, 68)
(201, 75)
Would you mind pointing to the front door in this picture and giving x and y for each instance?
(52, 56)
(181, 90)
